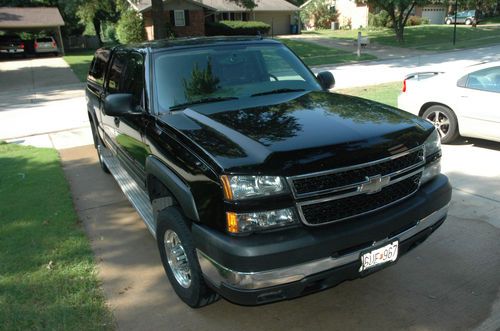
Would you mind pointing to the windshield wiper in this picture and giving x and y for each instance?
(204, 100)
(281, 90)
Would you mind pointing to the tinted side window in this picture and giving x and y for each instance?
(98, 67)
(485, 80)
(133, 77)
(115, 73)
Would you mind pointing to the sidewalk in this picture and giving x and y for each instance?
(382, 52)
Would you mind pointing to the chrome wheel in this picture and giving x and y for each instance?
(441, 122)
(177, 258)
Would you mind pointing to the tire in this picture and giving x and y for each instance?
(186, 277)
(448, 21)
(445, 121)
(97, 142)
(468, 22)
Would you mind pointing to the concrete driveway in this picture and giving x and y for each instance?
(42, 103)
(450, 282)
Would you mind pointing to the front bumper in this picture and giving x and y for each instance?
(278, 266)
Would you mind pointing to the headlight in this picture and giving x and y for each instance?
(432, 144)
(432, 148)
(245, 187)
(248, 222)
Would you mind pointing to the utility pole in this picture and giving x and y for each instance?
(455, 25)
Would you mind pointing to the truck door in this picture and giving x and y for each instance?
(125, 133)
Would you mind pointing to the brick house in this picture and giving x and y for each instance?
(188, 17)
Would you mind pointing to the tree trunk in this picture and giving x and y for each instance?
(159, 22)
(97, 28)
(399, 33)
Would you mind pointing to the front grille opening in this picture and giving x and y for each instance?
(340, 209)
(317, 184)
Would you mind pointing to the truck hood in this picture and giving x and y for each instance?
(294, 133)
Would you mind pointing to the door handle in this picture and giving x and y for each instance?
(117, 121)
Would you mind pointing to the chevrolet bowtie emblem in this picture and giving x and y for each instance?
(374, 184)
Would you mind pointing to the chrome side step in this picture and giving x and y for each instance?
(135, 194)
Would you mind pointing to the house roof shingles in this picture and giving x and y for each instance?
(225, 5)
(29, 17)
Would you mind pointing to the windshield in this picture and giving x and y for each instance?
(219, 73)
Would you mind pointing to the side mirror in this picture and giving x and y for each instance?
(120, 104)
(326, 80)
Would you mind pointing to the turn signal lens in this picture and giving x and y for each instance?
(228, 193)
(404, 86)
(250, 222)
(232, 222)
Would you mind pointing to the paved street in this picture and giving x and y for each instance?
(376, 72)
(450, 282)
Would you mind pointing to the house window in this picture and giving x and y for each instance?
(179, 18)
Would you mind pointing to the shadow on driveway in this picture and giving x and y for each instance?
(450, 282)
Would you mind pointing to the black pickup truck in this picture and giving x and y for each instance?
(257, 182)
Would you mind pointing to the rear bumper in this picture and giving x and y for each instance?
(277, 266)
(408, 104)
(46, 50)
(12, 51)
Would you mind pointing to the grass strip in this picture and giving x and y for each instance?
(48, 277)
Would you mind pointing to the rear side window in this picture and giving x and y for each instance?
(98, 67)
(485, 80)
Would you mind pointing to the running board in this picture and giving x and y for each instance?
(135, 194)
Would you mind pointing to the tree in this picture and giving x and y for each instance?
(159, 22)
(130, 28)
(399, 12)
(320, 13)
(97, 11)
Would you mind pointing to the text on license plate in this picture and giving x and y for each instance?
(381, 255)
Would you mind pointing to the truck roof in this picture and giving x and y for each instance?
(159, 45)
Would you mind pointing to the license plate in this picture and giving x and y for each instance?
(378, 256)
(12, 50)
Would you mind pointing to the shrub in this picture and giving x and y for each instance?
(234, 28)
(130, 28)
(379, 20)
(319, 13)
(110, 32)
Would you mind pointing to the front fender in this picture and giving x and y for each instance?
(180, 191)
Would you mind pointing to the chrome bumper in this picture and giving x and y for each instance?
(218, 274)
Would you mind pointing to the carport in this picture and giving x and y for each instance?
(32, 19)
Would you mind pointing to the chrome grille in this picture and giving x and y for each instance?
(348, 192)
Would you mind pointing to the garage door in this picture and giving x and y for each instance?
(279, 22)
(435, 15)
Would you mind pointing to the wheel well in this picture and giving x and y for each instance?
(427, 105)
(159, 195)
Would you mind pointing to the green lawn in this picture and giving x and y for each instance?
(383, 93)
(490, 20)
(425, 37)
(48, 278)
(80, 62)
(311, 54)
(314, 55)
